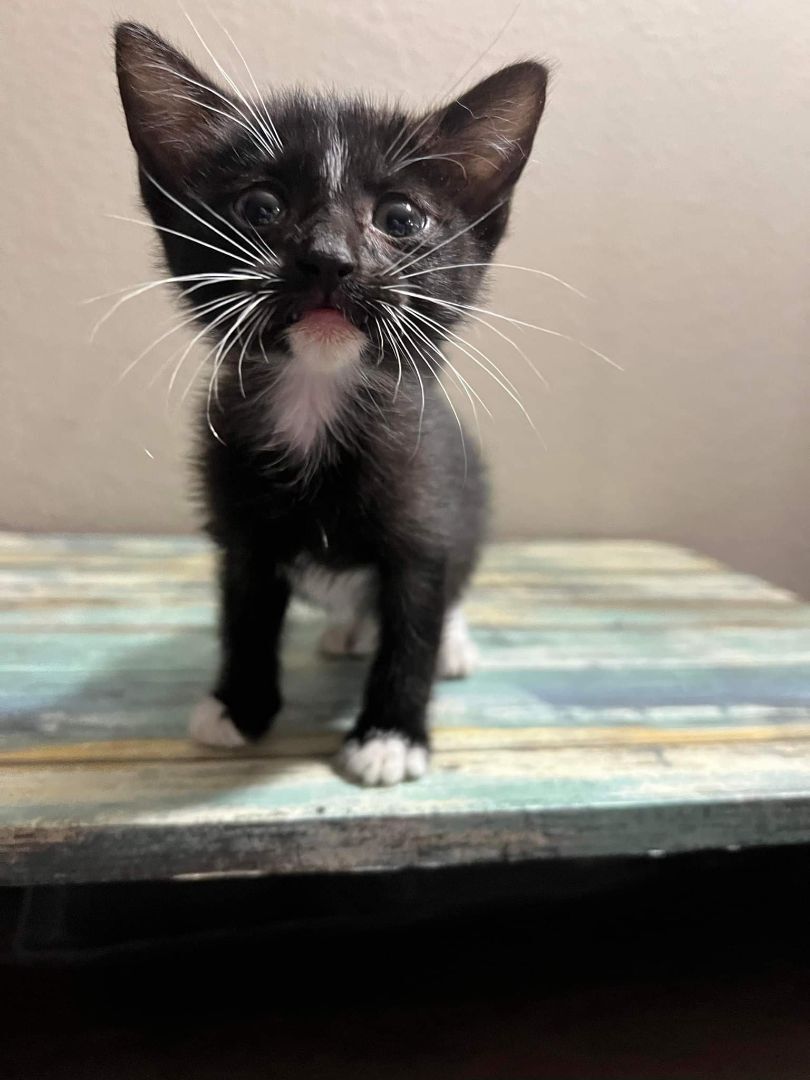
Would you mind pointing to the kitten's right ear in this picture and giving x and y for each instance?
(173, 111)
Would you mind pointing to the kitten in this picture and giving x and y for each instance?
(325, 245)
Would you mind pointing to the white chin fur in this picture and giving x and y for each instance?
(210, 725)
(326, 348)
(383, 759)
(314, 385)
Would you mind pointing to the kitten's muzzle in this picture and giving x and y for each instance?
(324, 259)
(317, 299)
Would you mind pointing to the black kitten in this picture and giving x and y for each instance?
(326, 245)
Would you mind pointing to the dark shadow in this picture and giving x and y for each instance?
(695, 967)
(146, 692)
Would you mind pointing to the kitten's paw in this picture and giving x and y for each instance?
(355, 637)
(210, 725)
(383, 758)
(458, 655)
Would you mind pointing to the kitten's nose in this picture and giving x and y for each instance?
(326, 266)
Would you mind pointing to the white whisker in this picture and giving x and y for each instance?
(138, 290)
(504, 337)
(206, 309)
(238, 246)
(405, 314)
(425, 242)
(261, 103)
(497, 266)
(144, 285)
(252, 324)
(183, 236)
(508, 318)
(410, 132)
(221, 318)
(497, 375)
(437, 247)
(220, 356)
(453, 338)
(211, 326)
(236, 115)
(505, 26)
(262, 329)
(400, 165)
(395, 331)
(469, 390)
(443, 388)
(398, 355)
(185, 349)
(245, 101)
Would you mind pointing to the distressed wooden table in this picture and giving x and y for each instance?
(633, 698)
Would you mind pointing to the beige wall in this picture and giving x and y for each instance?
(671, 184)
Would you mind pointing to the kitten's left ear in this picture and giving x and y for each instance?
(489, 131)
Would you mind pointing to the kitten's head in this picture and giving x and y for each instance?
(328, 231)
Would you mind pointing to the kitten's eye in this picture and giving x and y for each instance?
(398, 217)
(259, 207)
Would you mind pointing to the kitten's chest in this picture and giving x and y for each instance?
(312, 405)
(306, 409)
(332, 520)
(336, 591)
(334, 566)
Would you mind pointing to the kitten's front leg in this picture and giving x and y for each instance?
(255, 594)
(389, 742)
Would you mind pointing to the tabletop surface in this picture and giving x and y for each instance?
(632, 698)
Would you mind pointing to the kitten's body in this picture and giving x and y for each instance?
(376, 505)
(329, 456)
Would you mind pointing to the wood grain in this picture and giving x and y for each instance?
(633, 698)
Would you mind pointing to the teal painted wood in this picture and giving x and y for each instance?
(632, 696)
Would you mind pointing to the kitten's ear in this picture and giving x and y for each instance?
(489, 131)
(169, 104)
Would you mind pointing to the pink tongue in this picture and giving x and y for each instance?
(325, 323)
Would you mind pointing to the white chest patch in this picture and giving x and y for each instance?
(312, 392)
(344, 595)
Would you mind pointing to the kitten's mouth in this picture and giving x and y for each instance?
(325, 339)
(326, 308)
(323, 316)
(331, 321)
(327, 324)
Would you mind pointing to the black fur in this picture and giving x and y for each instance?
(392, 489)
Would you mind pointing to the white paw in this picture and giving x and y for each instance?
(458, 656)
(210, 725)
(384, 759)
(356, 637)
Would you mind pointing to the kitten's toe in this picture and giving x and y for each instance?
(355, 637)
(210, 725)
(458, 655)
(382, 759)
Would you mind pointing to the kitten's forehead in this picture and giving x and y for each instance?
(339, 141)
(332, 136)
(335, 156)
